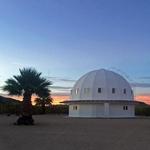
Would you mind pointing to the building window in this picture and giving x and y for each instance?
(125, 107)
(75, 107)
(99, 90)
(124, 91)
(71, 91)
(113, 90)
(77, 90)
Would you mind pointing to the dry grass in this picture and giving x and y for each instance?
(53, 132)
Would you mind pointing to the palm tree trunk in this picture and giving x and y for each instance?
(43, 108)
(26, 118)
(27, 106)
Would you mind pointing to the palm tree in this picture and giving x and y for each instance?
(43, 101)
(26, 84)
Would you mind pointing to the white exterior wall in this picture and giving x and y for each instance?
(93, 110)
(86, 110)
(101, 110)
(116, 110)
(72, 112)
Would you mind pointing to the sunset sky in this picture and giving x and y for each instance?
(64, 39)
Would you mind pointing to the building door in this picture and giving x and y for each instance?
(106, 109)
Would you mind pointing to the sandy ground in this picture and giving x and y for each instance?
(53, 132)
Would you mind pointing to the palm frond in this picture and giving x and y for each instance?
(29, 80)
(12, 87)
(43, 100)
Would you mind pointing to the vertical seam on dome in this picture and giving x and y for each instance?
(83, 83)
(93, 92)
(106, 85)
(74, 88)
(84, 77)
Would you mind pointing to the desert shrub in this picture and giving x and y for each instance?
(53, 109)
(59, 109)
(16, 109)
(10, 109)
(142, 110)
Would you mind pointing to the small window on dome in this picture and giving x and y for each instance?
(124, 91)
(99, 90)
(113, 90)
(77, 91)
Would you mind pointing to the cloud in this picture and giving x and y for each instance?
(61, 87)
(142, 85)
(145, 78)
(59, 79)
(60, 94)
(143, 94)
(60, 90)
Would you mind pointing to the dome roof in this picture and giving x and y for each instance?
(101, 85)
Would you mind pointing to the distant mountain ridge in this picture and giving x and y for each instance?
(5, 100)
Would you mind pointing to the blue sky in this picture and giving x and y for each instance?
(67, 38)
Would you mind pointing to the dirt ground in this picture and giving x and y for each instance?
(57, 132)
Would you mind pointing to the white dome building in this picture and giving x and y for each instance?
(101, 93)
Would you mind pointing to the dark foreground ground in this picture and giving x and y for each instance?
(53, 132)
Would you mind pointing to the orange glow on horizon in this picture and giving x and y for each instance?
(56, 99)
(143, 98)
(59, 98)
(20, 98)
